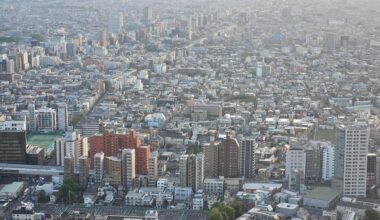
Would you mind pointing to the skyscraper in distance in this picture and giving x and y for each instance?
(148, 15)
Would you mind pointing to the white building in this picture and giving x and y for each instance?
(46, 120)
(183, 193)
(355, 160)
(32, 117)
(153, 169)
(295, 160)
(213, 185)
(63, 117)
(162, 183)
(73, 145)
(128, 167)
(199, 171)
(99, 167)
(12, 125)
(328, 161)
(198, 201)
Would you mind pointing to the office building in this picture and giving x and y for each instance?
(247, 157)
(99, 167)
(313, 166)
(115, 23)
(129, 168)
(147, 15)
(13, 147)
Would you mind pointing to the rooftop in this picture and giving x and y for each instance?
(323, 193)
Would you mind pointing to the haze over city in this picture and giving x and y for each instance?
(202, 109)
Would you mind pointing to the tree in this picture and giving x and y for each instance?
(238, 208)
(69, 192)
(215, 214)
(42, 197)
(230, 212)
(371, 214)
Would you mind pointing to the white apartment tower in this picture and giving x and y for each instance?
(99, 167)
(128, 167)
(355, 159)
(63, 117)
(328, 161)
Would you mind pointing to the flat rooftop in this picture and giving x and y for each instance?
(46, 141)
(323, 193)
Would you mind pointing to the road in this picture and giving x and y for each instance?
(121, 210)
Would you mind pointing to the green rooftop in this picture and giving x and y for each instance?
(45, 141)
(323, 193)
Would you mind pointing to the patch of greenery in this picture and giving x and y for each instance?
(223, 211)
(8, 40)
(371, 214)
(39, 37)
(194, 149)
(70, 192)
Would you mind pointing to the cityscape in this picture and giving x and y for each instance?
(190, 110)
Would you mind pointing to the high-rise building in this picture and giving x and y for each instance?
(111, 143)
(147, 15)
(296, 180)
(13, 147)
(32, 117)
(295, 160)
(229, 157)
(153, 169)
(199, 171)
(73, 145)
(313, 166)
(84, 168)
(191, 168)
(371, 170)
(128, 169)
(331, 41)
(113, 170)
(99, 167)
(142, 160)
(328, 161)
(247, 157)
(355, 159)
(211, 159)
(115, 23)
(46, 120)
(63, 117)
(68, 168)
